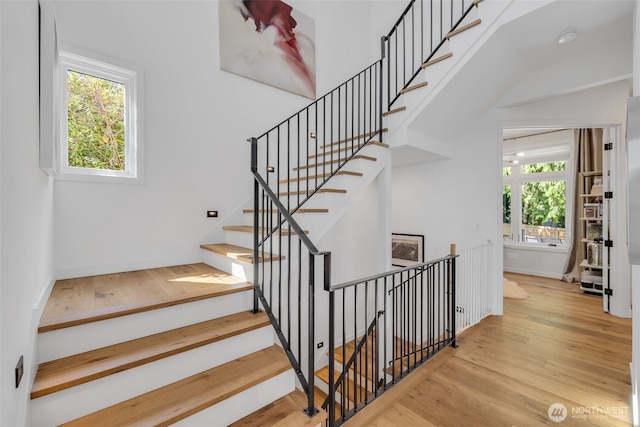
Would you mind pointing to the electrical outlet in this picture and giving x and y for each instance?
(320, 344)
(19, 371)
(212, 214)
(459, 309)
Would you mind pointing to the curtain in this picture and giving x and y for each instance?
(587, 158)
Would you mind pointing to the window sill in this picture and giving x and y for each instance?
(98, 178)
(537, 247)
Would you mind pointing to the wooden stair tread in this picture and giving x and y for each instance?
(320, 396)
(109, 296)
(348, 147)
(80, 368)
(395, 110)
(436, 60)
(323, 374)
(351, 138)
(249, 229)
(284, 412)
(414, 87)
(321, 190)
(320, 176)
(176, 401)
(239, 253)
(275, 211)
(463, 28)
(357, 156)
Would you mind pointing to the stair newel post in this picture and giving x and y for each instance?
(311, 333)
(331, 406)
(256, 210)
(452, 295)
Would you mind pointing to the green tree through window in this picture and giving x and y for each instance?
(95, 122)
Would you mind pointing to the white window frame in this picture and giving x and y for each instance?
(517, 179)
(131, 79)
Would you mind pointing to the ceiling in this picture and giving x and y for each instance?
(506, 69)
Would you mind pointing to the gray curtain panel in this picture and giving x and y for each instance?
(587, 158)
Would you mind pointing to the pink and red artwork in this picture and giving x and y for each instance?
(269, 41)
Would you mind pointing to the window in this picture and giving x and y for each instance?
(535, 198)
(99, 132)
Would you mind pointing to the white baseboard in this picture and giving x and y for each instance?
(549, 274)
(69, 272)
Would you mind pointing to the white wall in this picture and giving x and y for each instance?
(197, 119)
(26, 199)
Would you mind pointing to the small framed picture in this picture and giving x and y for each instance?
(594, 231)
(591, 210)
(407, 249)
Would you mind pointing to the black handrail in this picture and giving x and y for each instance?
(404, 62)
(344, 120)
(352, 359)
(420, 321)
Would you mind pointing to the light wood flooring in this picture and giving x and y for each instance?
(86, 299)
(557, 346)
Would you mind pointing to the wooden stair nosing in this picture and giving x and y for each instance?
(351, 138)
(348, 147)
(320, 176)
(105, 313)
(436, 60)
(394, 111)
(81, 368)
(176, 401)
(356, 157)
(249, 229)
(320, 396)
(477, 2)
(323, 374)
(238, 252)
(286, 411)
(321, 190)
(463, 28)
(301, 210)
(414, 87)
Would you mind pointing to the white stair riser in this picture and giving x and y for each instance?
(337, 181)
(77, 339)
(240, 269)
(242, 404)
(244, 239)
(84, 399)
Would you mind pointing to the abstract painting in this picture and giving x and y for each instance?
(270, 42)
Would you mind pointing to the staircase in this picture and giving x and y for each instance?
(157, 347)
(194, 344)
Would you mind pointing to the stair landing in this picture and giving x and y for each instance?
(83, 300)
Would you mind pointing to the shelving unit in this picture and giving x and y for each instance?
(594, 219)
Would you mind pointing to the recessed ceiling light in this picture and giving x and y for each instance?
(567, 36)
(520, 154)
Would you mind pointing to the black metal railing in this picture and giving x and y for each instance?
(282, 284)
(388, 325)
(416, 37)
(293, 161)
(300, 154)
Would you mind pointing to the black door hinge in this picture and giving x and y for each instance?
(608, 243)
(608, 194)
(608, 146)
(609, 292)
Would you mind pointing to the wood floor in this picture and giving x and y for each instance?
(86, 299)
(557, 346)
